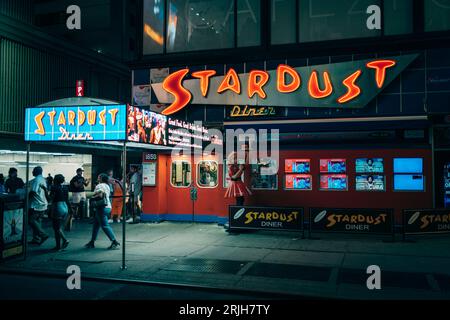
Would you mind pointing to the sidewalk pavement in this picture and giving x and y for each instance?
(333, 266)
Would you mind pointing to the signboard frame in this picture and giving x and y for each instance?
(406, 218)
(300, 221)
(390, 212)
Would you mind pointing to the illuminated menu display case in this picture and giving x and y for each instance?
(369, 174)
(333, 175)
(297, 175)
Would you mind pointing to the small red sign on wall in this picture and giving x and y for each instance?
(80, 88)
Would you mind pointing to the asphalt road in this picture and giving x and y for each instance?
(26, 287)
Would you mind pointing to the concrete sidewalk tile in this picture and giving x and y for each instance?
(304, 258)
(231, 253)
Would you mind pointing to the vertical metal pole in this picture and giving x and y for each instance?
(433, 167)
(124, 208)
(25, 207)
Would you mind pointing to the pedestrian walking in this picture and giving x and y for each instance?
(38, 206)
(102, 204)
(59, 195)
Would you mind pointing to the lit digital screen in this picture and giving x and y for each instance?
(333, 182)
(332, 165)
(145, 126)
(298, 182)
(76, 123)
(409, 182)
(297, 165)
(370, 183)
(408, 165)
(365, 165)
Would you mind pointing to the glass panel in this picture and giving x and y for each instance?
(153, 38)
(282, 21)
(398, 17)
(409, 182)
(200, 25)
(180, 174)
(207, 174)
(249, 23)
(322, 20)
(333, 182)
(408, 165)
(437, 15)
(260, 179)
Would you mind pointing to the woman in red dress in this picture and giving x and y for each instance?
(237, 188)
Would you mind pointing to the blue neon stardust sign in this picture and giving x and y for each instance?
(76, 123)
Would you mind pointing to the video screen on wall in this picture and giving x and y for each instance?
(298, 182)
(333, 165)
(333, 182)
(408, 165)
(297, 165)
(365, 165)
(145, 126)
(409, 182)
(370, 183)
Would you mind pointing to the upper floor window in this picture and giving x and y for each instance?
(437, 15)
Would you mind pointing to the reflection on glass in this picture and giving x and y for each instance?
(199, 25)
(207, 175)
(437, 15)
(282, 21)
(249, 23)
(153, 39)
(398, 17)
(260, 179)
(181, 174)
(322, 20)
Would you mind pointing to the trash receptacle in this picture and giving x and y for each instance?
(11, 226)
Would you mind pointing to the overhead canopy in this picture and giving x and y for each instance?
(78, 101)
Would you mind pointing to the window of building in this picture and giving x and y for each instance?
(398, 17)
(322, 20)
(181, 174)
(199, 25)
(248, 23)
(437, 15)
(207, 174)
(153, 35)
(283, 21)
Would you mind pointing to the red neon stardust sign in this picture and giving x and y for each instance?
(319, 84)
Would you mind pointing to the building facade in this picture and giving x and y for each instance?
(406, 119)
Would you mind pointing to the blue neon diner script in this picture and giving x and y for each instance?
(76, 123)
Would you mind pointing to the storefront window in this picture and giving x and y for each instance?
(207, 174)
(263, 176)
(282, 21)
(181, 174)
(322, 20)
(398, 17)
(437, 15)
(199, 25)
(249, 23)
(153, 35)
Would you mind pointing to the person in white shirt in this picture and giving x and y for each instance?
(102, 213)
(38, 206)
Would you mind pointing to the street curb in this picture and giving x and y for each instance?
(267, 294)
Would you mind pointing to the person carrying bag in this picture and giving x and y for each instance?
(102, 204)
